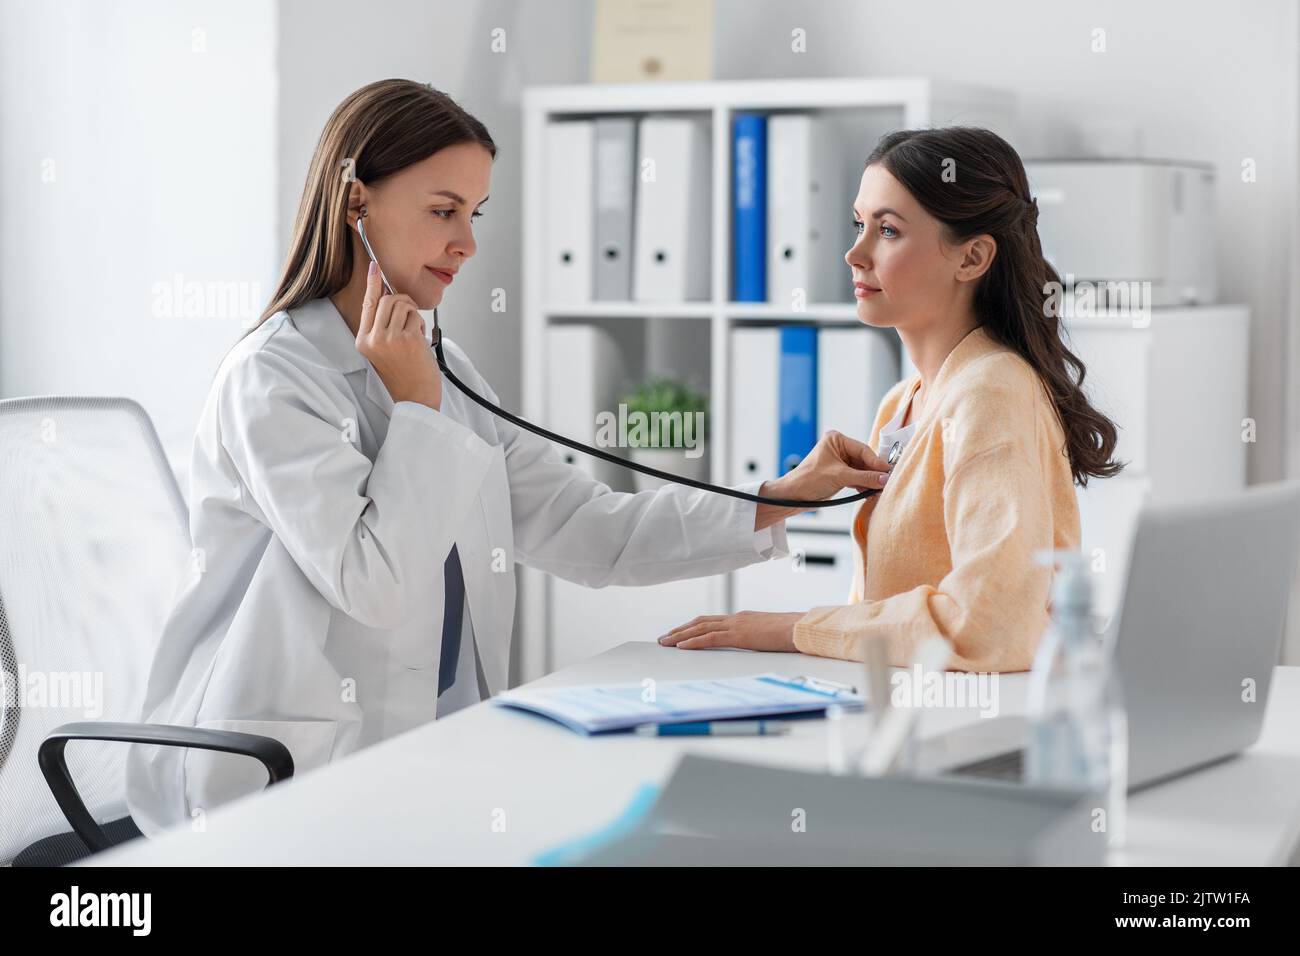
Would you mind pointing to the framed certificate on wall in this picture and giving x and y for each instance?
(639, 41)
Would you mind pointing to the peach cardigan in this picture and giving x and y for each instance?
(947, 546)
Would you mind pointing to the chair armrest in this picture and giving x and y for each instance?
(271, 753)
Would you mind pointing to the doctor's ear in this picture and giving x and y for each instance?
(357, 197)
(356, 190)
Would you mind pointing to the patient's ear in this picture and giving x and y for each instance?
(979, 255)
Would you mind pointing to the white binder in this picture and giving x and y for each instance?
(585, 373)
(855, 368)
(674, 185)
(755, 392)
(615, 190)
(807, 199)
(569, 211)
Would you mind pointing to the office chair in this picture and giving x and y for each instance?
(94, 547)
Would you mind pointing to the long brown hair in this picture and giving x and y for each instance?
(382, 128)
(988, 193)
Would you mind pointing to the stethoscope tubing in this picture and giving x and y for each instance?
(598, 452)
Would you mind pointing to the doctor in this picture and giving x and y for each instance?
(355, 524)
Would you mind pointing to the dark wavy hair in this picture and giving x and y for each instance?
(989, 195)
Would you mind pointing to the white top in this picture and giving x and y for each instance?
(891, 432)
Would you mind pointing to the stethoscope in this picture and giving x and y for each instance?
(894, 451)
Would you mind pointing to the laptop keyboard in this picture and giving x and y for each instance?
(1003, 766)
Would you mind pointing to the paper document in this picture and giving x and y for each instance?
(596, 708)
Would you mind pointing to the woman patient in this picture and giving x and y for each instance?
(994, 430)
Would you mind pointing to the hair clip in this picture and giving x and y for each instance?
(349, 167)
(1030, 210)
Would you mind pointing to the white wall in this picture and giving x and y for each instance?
(169, 160)
(133, 149)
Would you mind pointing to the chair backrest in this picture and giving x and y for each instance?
(94, 547)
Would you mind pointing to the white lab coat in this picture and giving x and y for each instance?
(321, 514)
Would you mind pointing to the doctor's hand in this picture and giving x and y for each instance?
(752, 630)
(391, 336)
(837, 461)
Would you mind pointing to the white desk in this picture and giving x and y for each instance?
(435, 794)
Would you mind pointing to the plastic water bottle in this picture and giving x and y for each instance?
(1078, 735)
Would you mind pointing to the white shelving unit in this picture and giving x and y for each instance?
(863, 110)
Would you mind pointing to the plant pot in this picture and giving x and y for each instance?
(672, 460)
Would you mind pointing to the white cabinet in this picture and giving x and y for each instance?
(1117, 380)
(1177, 389)
(818, 573)
(584, 621)
(1108, 511)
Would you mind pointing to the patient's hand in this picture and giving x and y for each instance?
(753, 630)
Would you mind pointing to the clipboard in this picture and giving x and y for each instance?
(605, 708)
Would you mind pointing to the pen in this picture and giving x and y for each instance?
(823, 684)
(716, 728)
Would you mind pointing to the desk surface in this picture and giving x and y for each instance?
(490, 785)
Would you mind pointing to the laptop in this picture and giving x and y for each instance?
(1200, 625)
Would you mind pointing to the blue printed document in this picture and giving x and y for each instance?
(598, 708)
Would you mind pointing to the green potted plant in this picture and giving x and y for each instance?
(665, 426)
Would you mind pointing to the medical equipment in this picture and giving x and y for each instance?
(1153, 247)
(597, 452)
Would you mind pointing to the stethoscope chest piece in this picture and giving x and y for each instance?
(895, 452)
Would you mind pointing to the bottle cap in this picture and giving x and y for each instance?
(1072, 583)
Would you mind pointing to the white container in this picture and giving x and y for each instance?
(1130, 221)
